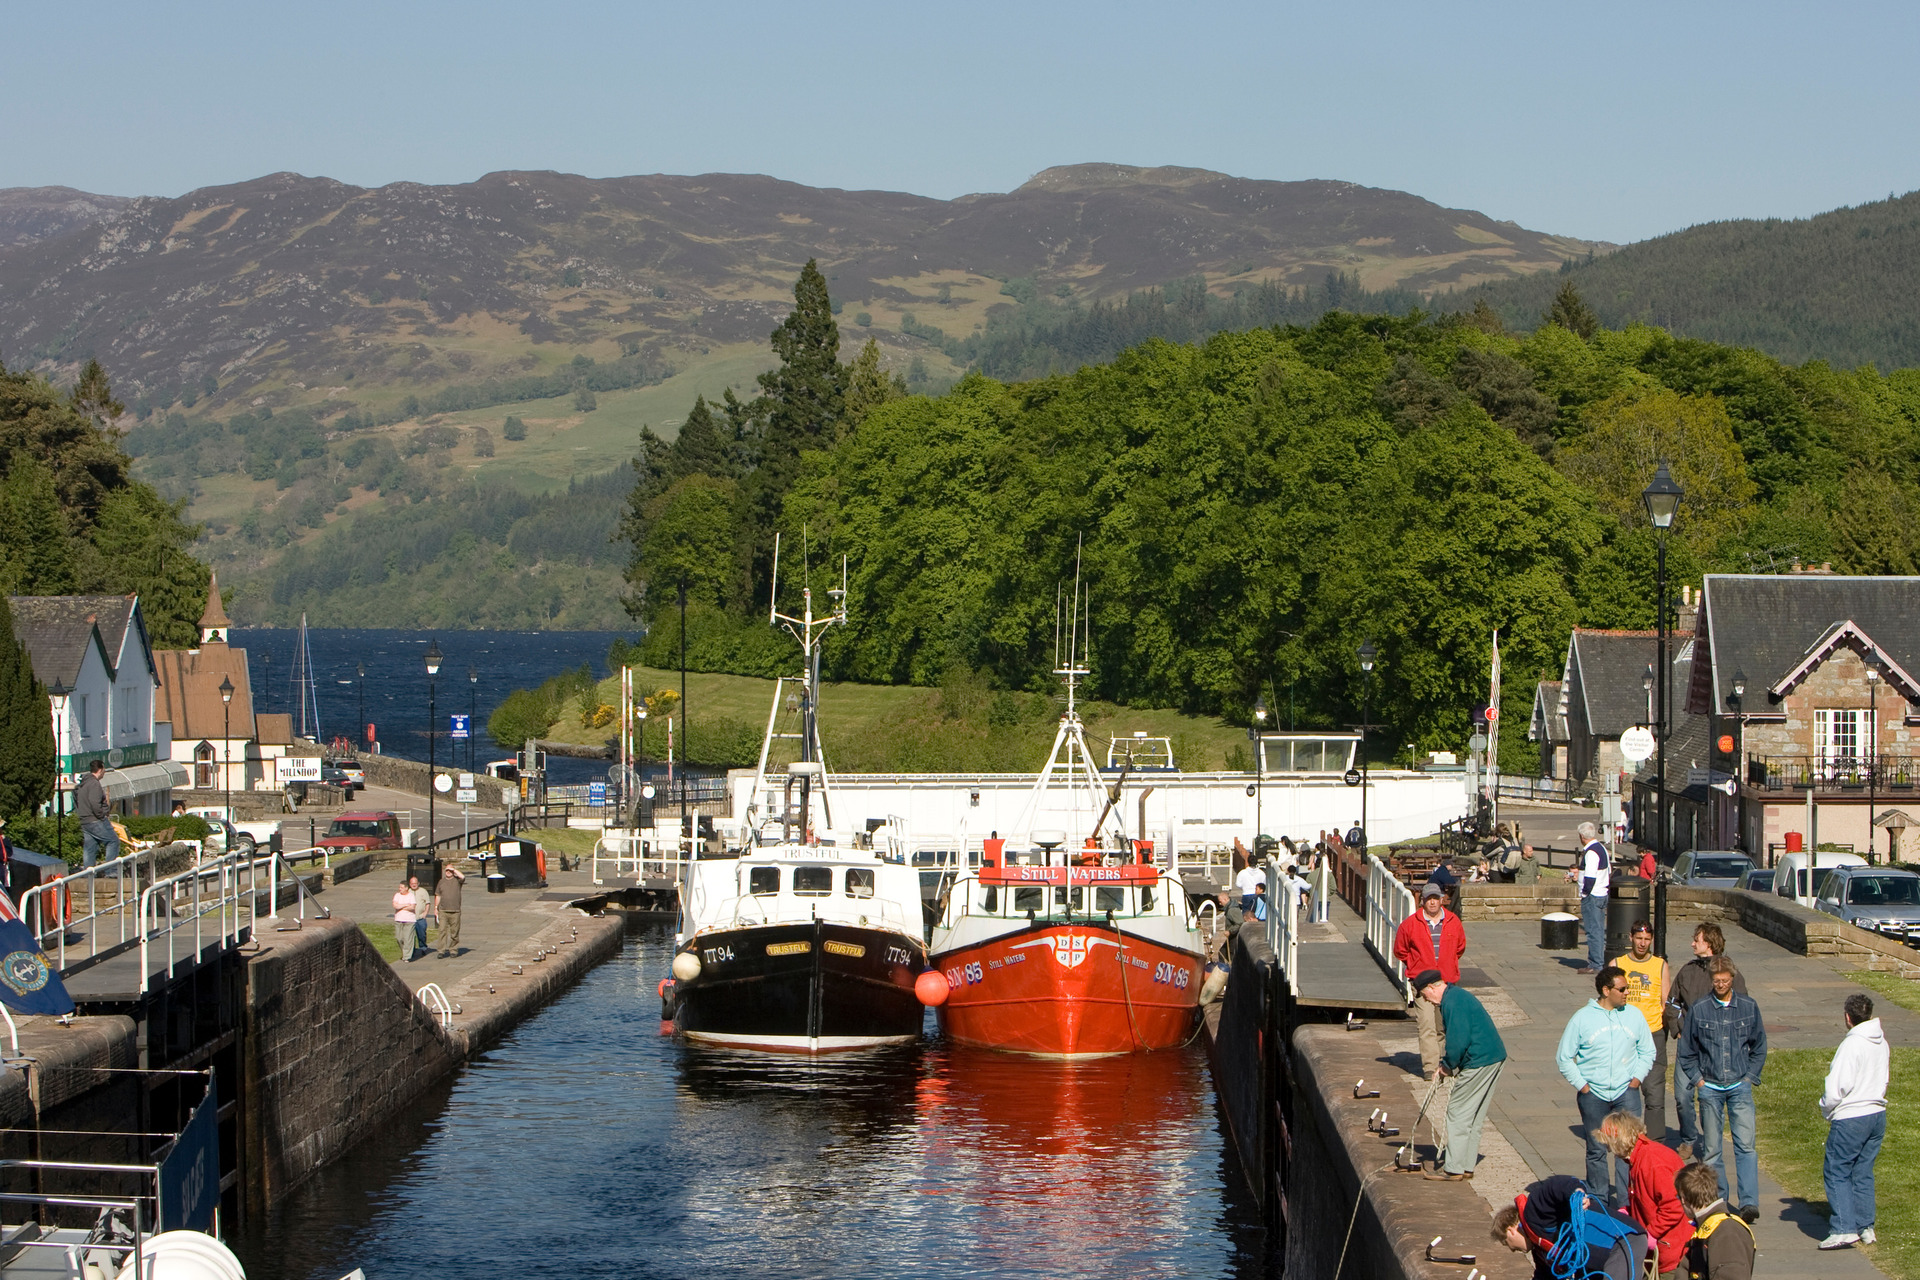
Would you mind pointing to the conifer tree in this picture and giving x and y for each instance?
(93, 396)
(38, 546)
(700, 448)
(26, 748)
(1571, 312)
(805, 396)
(868, 386)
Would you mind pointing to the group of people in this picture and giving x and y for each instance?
(1613, 1053)
(414, 906)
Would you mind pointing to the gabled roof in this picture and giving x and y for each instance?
(1549, 723)
(1765, 625)
(56, 630)
(189, 693)
(1847, 635)
(1605, 676)
(214, 615)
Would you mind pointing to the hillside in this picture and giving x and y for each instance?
(1837, 287)
(29, 215)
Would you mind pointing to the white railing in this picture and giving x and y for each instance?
(662, 855)
(1389, 901)
(437, 1004)
(111, 890)
(751, 909)
(1321, 878)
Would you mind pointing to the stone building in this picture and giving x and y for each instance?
(1548, 728)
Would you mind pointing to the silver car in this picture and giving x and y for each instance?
(1711, 869)
(1884, 899)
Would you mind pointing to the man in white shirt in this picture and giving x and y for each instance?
(1594, 875)
(1247, 883)
(1855, 1105)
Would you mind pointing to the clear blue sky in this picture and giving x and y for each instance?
(1615, 121)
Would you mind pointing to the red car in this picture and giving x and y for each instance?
(371, 829)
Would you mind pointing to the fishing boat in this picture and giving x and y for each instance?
(1069, 940)
(808, 939)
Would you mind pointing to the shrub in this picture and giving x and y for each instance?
(514, 429)
(584, 401)
(864, 319)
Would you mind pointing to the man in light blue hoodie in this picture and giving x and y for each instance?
(1605, 1052)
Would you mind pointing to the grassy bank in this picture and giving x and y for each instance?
(1792, 1141)
(963, 725)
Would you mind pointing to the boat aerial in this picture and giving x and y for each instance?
(807, 940)
(1070, 940)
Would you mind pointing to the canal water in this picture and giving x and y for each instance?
(588, 1144)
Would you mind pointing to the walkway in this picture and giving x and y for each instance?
(1337, 970)
(1531, 993)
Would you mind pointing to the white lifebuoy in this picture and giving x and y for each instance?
(185, 1255)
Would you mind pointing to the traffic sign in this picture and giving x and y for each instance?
(1478, 742)
(459, 729)
(1351, 777)
(467, 795)
(1726, 744)
(596, 793)
(1493, 713)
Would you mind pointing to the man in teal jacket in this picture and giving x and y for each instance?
(1605, 1052)
(1474, 1057)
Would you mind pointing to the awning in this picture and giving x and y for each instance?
(144, 779)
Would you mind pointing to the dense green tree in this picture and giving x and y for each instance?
(93, 397)
(513, 429)
(701, 448)
(26, 748)
(36, 540)
(868, 385)
(804, 396)
(1571, 312)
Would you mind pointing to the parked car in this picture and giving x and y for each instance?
(1884, 899)
(370, 829)
(1711, 869)
(346, 778)
(1798, 874)
(1759, 880)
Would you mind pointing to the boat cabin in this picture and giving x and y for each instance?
(1308, 752)
(796, 882)
(1086, 892)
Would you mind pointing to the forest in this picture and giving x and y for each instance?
(1250, 508)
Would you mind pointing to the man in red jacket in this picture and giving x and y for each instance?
(1431, 938)
(1652, 1200)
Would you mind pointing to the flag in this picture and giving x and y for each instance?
(28, 982)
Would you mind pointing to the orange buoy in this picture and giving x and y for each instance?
(665, 985)
(931, 987)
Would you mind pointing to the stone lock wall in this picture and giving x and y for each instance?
(336, 1043)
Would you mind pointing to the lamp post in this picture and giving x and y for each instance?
(1662, 499)
(362, 732)
(433, 669)
(1873, 748)
(1259, 764)
(266, 680)
(640, 750)
(1739, 751)
(473, 703)
(1367, 652)
(58, 692)
(226, 744)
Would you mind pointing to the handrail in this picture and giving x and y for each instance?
(1389, 901)
(628, 853)
(437, 1003)
(125, 871)
(75, 1249)
(889, 912)
(1283, 931)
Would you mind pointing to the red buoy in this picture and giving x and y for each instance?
(931, 987)
(665, 984)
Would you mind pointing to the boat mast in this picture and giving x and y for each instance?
(808, 630)
(1071, 757)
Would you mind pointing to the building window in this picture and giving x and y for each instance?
(203, 766)
(1842, 738)
(83, 715)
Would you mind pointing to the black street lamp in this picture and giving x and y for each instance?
(266, 680)
(1367, 654)
(473, 702)
(1662, 499)
(362, 733)
(226, 743)
(58, 691)
(433, 669)
(1739, 750)
(1873, 748)
(1259, 763)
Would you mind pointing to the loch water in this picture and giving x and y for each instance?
(587, 1144)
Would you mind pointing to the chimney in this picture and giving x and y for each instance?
(1685, 620)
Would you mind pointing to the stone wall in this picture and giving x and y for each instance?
(413, 776)
(335, 1043)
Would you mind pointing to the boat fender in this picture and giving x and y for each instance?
(184, 1255)
(1215, 987)
(686, 966)
(666, 985)
(931, 988)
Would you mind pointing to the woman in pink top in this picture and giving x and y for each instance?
(403, 918)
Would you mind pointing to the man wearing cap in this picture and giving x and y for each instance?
(1474, 1056)
(1649, 984)
(1431, 938)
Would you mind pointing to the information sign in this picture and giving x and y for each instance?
(596, 793)
(459, 729)
(1636, 744)
(467, 795)
(1351, 777)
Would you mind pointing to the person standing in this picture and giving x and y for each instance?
(1649, 983)
(1722, 1247)
(1430, 938)
(1474, 1057)
(403, 918)
(1594, 875)
(422, 912)
(1692, 984)
(96, 816)
(1724, 1048)
(1248, 877)
(1605, 1052)
(1651, 1199)
(446, 908)
(1854, 1103)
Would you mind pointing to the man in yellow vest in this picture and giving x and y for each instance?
(1649, 981)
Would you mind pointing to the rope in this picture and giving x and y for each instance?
(1126, 990)
(1359, 1198)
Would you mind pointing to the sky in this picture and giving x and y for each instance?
(1611, 122)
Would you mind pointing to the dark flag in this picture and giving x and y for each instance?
(28, 983)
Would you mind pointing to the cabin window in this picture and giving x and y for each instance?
(1108, 898)
(1146, 898)
(859, 883)
(1029, 898)
(762, 880)
(813, 882)
(991, 902)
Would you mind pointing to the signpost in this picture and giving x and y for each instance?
(459, 727)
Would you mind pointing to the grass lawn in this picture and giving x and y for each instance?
(1904, 992)
(381, 936)
(1792, 1140)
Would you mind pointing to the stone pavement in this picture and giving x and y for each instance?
(1531, 993)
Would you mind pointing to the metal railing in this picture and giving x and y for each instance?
(1888, 773)
(1529, 788)
(521, 818)
(663, 855)
(106, 925)
(749, 909)
(1389, 901)
(437, 1004)
(1283, 931)
(85, 1257)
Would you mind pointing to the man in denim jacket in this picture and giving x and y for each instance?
(1723, 1045)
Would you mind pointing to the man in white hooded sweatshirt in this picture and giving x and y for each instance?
(1855, 1105)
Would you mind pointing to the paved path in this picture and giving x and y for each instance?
(1531, 993)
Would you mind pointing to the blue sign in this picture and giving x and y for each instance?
(596, 793)
(459, 727)
(190, 1175)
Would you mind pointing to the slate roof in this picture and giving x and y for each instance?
(1549, 722)
(55, 631)
(1609, 667)
(1764, 624)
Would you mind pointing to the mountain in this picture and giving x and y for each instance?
(1838, 286)
(32, 214)
(288, 289)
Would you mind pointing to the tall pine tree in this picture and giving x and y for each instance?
(26, 748)
(37, 547)
(1571, 312)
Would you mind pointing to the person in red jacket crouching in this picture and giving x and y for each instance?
(1431, 938)
(1651, 1199)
